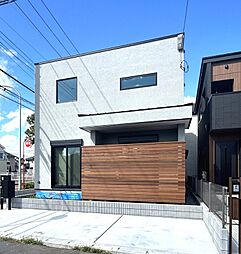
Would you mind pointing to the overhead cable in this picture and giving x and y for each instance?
(15, 101)
(19, 82)
(59, 26)
(55, 50)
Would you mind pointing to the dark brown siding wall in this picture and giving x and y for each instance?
(150, 172)
(233, 72)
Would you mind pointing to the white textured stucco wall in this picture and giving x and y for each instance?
(98, 90)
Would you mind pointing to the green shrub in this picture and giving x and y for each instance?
(29, 185)
(32, 241)
(91, 250)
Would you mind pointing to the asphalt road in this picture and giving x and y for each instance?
(20, 248)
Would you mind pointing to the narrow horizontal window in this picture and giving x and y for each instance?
(138, 81)
(66, 90)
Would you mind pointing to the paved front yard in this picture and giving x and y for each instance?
(128, 234)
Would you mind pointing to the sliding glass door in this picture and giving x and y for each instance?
(66, 167)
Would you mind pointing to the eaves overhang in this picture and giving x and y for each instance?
(139, 118)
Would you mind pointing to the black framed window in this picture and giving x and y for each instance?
(66, 166)
(144, 80)
(137, 139)
(222, 86)
(66, 90)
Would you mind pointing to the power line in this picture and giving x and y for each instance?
(185, 17)
(37, 29)
(26, 57)
(14, 54)
(15, 95)
(6, 49)
(29, 44)
(15, 101)
(53, 33)
(19, 82)
(59, 26)
(84, 65)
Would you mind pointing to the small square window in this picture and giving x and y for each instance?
(66, 90)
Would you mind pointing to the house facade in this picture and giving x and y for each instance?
(3, 160)
(218, 107)
(111, 123)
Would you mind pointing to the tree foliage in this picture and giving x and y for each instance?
(30, 131)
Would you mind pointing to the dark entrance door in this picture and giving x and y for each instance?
(226, 161)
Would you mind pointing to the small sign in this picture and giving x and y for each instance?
(235, 188)
(28, 143)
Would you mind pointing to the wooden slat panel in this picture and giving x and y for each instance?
(150, 172)
(233, 72)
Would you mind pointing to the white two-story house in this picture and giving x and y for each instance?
(110, 124)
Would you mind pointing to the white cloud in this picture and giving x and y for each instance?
(1, 117)
(13, 124)
(11, 143)
(4, 80)
(9, 52)
(189, 99)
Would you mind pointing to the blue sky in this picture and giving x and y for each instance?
(212, 27)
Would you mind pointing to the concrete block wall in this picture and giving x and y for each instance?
(122, 208)
(215, 228)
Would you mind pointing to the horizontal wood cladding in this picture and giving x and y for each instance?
(233, 71)
(150, 172)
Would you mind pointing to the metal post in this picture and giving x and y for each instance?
(20, 142)
(209, 197)
(201, 189)
(9, 203)
(20, 130)
(23, 169)
(239, 228)
(1, 203)
(230, 216)
(223, 206)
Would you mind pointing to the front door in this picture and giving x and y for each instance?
(225, 161)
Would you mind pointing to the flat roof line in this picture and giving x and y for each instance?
(110, 48)
(134, 110)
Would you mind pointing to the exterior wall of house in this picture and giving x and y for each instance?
(3, 161)
(228, 70)
(219, 123)
(98, 91)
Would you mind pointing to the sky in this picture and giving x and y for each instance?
(212, 27)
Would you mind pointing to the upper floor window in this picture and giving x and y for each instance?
(138, 81)
(222, 86)
(66, 90)
(1, 156)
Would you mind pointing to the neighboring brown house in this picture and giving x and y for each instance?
(218, 106)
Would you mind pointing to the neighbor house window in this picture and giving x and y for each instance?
(138, 81)
(66, 165)
(66, 90)
(1, 156)
(222, 86)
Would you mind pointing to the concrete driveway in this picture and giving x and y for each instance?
(125, 234)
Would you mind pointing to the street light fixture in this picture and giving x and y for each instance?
(20, 144)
